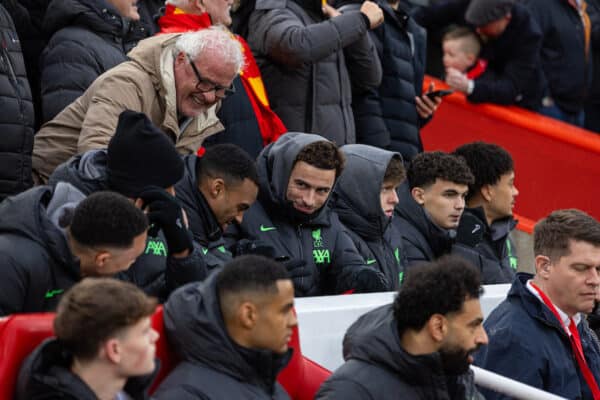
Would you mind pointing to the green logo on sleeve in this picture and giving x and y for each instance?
(53, 293)
(156, 247)
(397, 255)
(371, 261)
(267, 228)
(204, 250)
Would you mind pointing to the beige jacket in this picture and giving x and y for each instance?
(145, 83)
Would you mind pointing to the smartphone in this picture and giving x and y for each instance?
(439, 93)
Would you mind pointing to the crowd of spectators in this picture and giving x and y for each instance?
(152, 154)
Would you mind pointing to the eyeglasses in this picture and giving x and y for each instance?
(204, 85)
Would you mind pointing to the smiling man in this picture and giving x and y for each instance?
(539, 335)
(431, 204)
(296, 176)
(232, 333)
(420, 346)
(177, 80)
(487, 222)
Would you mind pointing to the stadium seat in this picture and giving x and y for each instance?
(20, 334)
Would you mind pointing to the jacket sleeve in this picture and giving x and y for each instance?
(364, 66)
(507, 355)
(518, 74)
(343, 389)
(13, 287)
(68, 69)
(184, 270)
(281, 35)
(114, 95)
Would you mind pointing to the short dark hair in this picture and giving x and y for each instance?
(107, 219)
(487, 162)
(426, 167)
(395, 171)
(552, 234)
(439, 287)
(471, 42)
(94, 310)
(226, 161)
(248, 274)
(323, 154)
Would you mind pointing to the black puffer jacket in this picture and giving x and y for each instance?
(319, 239)
(356, 200)
(213, 366)
(377, 367)
(46, 374)
(16, 116)
(421, 238)
(386, 116)
(88, 38)
(496, 254)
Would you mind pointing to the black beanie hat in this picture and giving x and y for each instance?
(482, 12)
(139, 155)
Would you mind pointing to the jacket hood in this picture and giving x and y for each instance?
(357, 193)
(374, 339)
(197, 331)
(95, 15)
(201, 218)
(274, 166)
(47, 370)
(87, 172)
(440, 240)
(35, 214)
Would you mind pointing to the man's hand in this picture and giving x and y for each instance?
(426, 106)
(373, 12)
(457, 80)
(329, 11)
(164, 212)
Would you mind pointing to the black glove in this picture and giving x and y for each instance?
(164, 212)
(302, 275)
(256, 247)
(369, 280)
(469, 231)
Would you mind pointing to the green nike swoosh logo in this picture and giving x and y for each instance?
(371, 261)
(51, 293)
(267, 228)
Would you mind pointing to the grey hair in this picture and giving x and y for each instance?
(217, 38)
(177, 3)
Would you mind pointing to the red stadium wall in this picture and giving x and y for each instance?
(557, 165)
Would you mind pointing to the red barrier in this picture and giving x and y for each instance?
(557, 165)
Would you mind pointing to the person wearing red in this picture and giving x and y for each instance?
(249, 121)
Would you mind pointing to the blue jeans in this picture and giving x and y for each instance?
(555, 112)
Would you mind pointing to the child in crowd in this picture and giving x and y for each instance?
(461, 48)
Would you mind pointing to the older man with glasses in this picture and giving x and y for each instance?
(177, 80)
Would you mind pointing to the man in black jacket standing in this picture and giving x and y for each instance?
(420, 346)
(487, 221)
(232, 333)
(513, 42)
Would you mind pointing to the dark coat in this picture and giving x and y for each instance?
(356, 200)
(213, 366)
(153, 271)
(387, 116)
(17, 116)
(527, 343)
(513, 74)
(422, 240)
(567, 73)
(496, 252)
(37, 264)
(377, 367)
(592, 117)
(311, 65)
(88, 38)
(46, 374)
(319, 239)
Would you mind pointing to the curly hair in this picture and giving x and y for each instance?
(439, 287)
(552, 234)
(487, 161)
(426, 167)
(323, 155)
